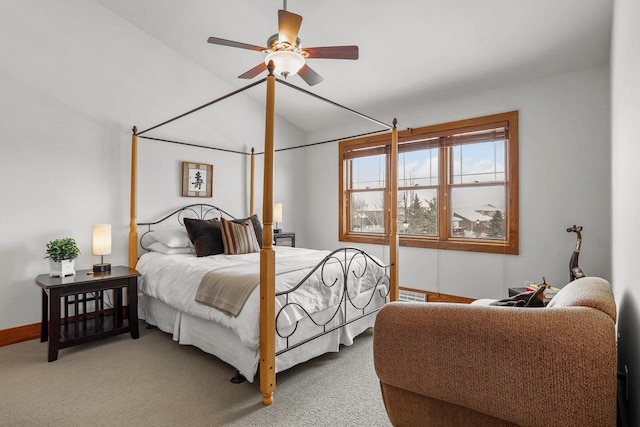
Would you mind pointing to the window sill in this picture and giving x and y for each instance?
(483, 246)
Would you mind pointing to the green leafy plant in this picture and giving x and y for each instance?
(62, 249)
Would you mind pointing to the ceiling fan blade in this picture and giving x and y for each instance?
(310, 76)
(254, 71)
(333, 52)
(288, 26)
(231, 43)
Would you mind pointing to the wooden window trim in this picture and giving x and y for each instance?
(510, 245)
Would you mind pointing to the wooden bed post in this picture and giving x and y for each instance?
(268, 256)
(251, 184)
(394, 242)
(133, 230)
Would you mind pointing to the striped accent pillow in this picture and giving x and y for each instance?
(239, 238)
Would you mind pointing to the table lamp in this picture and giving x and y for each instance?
(101, 246)
(277, 217)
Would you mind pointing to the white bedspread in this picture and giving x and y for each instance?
(174, 280)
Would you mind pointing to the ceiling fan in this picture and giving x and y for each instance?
(287, 53)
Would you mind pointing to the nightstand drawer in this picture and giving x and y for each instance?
(285, 239)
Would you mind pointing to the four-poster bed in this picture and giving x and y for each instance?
(275, 303)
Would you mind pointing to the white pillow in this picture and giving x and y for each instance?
(171, 237)
(163, 249)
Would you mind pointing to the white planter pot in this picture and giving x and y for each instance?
(62, 268)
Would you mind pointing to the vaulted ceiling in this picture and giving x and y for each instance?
(409, 50)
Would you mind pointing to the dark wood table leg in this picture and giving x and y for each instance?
(54, 323)
(118, 316)
(132, 312)
(44, 326)
(98, 310)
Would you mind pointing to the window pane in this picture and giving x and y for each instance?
(478, 162)
(367, 211)
(367, 172)
(418, 167)
(418, 212)
(478, 212)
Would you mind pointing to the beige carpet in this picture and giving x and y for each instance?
(154, 381)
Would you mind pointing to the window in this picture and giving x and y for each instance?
(457, 186)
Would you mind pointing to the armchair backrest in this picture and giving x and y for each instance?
(591, 292)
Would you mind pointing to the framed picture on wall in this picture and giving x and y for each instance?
(197, 179)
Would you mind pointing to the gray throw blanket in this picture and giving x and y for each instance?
(227, 289)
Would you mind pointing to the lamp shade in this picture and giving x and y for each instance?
(287, 63)
(102, 239)
(277, 212)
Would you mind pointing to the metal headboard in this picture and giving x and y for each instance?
(196, 210)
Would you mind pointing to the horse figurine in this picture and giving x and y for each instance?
(575, 272)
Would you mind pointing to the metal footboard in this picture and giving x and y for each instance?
(353, 264)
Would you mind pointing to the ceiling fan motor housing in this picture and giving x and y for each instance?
(275, 43)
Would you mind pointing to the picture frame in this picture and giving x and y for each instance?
(197, 179)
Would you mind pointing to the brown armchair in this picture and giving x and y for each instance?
(478, 365)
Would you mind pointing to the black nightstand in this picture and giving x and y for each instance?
(285, 239)
(85, 293)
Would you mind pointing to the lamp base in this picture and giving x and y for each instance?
(101, 268)
(277, 230)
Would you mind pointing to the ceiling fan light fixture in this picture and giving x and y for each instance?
(287, 63)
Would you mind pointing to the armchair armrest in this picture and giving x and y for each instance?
(523, 365)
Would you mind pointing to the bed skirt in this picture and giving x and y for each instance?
(223, 343)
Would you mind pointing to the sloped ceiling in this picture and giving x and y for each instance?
(410, 51)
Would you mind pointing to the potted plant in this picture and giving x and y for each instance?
(62, 254)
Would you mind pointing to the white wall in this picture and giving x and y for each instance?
(160, 171)
(564, 180)
(625, 126)
(60, 173)
(74, 79)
